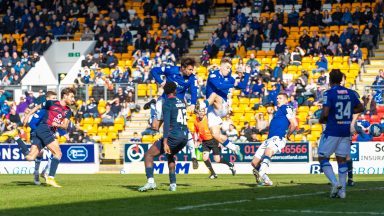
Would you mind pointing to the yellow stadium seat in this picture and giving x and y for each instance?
(236, 92)
(303, 109)
(298, 138)
(316, 127)
(244, 101)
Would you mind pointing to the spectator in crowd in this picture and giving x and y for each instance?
(232, 133)
(107, 118)
(369, 104)
(379, 80)
(261, 124)
(321, 63)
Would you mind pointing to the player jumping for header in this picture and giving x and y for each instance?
(175, 137)
(219, 83)
(185, 80)
(283, 120)
(339, 106)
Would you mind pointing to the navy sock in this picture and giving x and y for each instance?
(24, 149)
(223, 161)
(172, 177)
(149, 172)
(206, 103)
(226, 142)
(54, 164)
(37, 163)
(209, 166)
(350, 169)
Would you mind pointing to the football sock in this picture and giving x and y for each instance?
(343, 169)
(54, 165)
(206, 103)
(22, 146)
(264, 165)
(37, 163)
(172, 177)
(328, 171)
(209, 166)
(149, 172)
(191, 145)
(223, 161)
(48, 166)
(350, 169)
(228, 144)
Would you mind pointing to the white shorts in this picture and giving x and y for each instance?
(328, 145)
(159, 109)
(213, 118)
(224, 109)
(275, 143)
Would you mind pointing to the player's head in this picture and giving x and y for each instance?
(282, 98)
(225, 66)
(68, 95)
(335, 77)
(201, 112)
(170, 88)
(51, 95)
(187, 66)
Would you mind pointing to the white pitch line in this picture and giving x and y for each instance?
(295, 211)
(210, 204)
(267, 198)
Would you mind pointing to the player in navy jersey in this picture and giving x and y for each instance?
(339, 106)
(185, 80)
(175, 137)
(283, 124)
(219, 84)
(57, 116)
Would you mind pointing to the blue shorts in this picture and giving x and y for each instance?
(175, 145)
(36, 140)
(45, 134)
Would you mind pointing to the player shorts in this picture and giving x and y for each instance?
(213, 118)
(211, 145)
(159, 109)
(328, 145)
(175, 144)
(45, 134)
(36, 141)
(275, 143)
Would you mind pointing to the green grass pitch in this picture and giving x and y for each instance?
(112, 195)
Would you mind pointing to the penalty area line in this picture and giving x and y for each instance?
(210, 204)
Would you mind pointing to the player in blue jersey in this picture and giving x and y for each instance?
(219, 84)
(283, 124)
(339, 106)
(175, 137)
(185, 80)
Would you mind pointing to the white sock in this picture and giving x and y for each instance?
(16, 138)
(264, 165)
(191, 147)
(328, 171)
(343, 171)
(231, 146)
(151, 180)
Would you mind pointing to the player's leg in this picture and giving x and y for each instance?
(158, 118)
(350, 171)
(327, 147)
(257, 158)
(39, 158)
(216, 156)
(172, 172)
(155, 150)
(221, 138)
(56, 157)
(191, 147)
(213, 99)
(33, 152)
(207, 161)
(342, 151)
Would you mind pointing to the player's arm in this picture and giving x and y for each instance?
(31, 112)
(166, 126)
(292, 121)
(193, 89)
(156, 72)
(325, 110)
(215, 80)
(358, 108)
(243, 84)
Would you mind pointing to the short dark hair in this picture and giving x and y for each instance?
(335, 76)
(185, 62)
(50, 93)
(284, 94)
(226, 60)
(169, 87)
(67, 91)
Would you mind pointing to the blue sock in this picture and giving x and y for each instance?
(343, 169)
(24, 149)
(206, 103)
(328, 171)
(54, 164)
(149, 172)
(37, 163)
(172, 177)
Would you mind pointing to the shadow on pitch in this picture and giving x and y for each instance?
(164, 203)
(20, 183)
